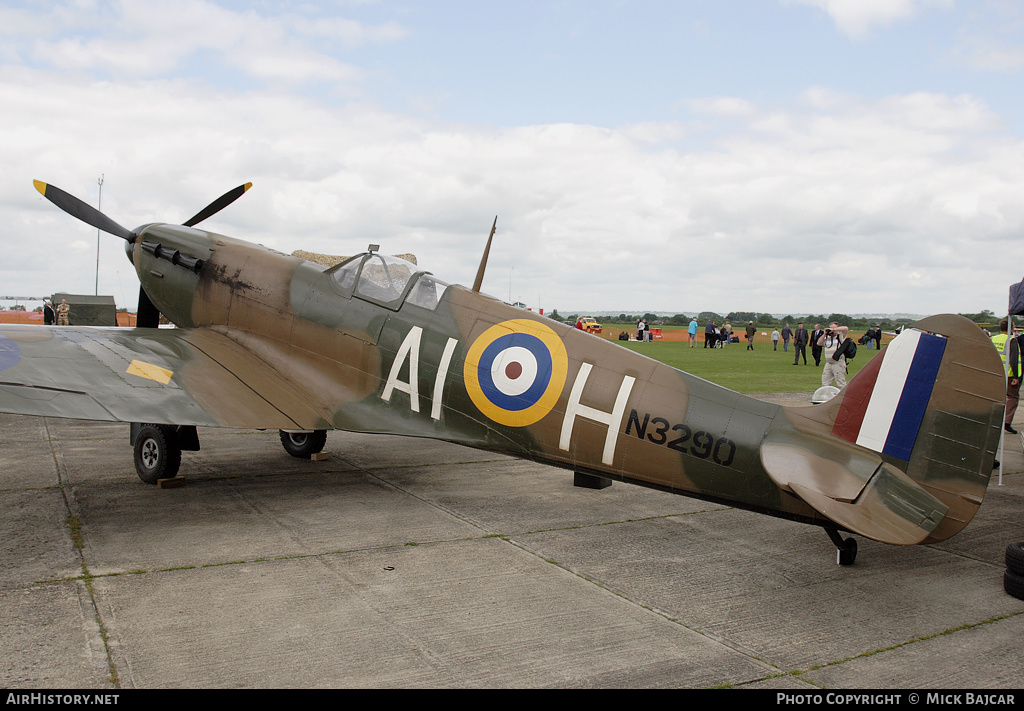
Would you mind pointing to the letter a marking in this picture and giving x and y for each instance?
(410, 350)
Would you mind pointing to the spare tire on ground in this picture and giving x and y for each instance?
(1015, 558)
(1014, 584)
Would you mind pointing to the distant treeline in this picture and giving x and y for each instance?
(986, 318)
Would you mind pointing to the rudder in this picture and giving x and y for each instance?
(931, 406)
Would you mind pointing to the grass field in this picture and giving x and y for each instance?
(761, 370)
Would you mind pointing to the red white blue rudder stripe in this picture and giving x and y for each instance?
(885, 405)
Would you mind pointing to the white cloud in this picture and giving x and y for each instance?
(857, 18)
(589, 217)
(729, 106)
(137, 38)
(758, 203)
(1006, 59)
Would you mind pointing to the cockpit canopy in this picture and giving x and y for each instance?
(388, 281)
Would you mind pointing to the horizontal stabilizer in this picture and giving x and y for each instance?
(853, 488)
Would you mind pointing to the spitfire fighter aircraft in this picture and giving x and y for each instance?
(265, 340)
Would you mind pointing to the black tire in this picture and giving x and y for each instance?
(157, 454)
(1014, 584)
(848, 553)
(304, 444)
(1015, 558)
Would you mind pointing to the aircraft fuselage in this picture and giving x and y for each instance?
(455, 370)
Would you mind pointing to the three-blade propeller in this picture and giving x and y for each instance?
(91, 216)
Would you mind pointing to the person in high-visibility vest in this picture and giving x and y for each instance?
(1009, 350)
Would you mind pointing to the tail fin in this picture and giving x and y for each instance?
(928, 411)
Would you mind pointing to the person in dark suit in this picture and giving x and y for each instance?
(815, 348)
(710, 336)
(800, 343)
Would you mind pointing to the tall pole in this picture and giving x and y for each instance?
(99, 207)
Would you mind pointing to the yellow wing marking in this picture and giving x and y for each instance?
(150, 371)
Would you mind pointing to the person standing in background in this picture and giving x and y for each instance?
(816, 335)
(710, 335)
(63, 313)
(1010, 353)
(800, 344)
(832, 349)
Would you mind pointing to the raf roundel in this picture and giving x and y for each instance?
(515, 372)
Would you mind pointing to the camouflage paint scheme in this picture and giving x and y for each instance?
(267, 340)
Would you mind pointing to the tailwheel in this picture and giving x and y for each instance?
(304, 444)
(157, 453)
(846, 550)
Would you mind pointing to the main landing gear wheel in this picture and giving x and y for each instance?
(846, 550)
(304, 444)
(157, 453)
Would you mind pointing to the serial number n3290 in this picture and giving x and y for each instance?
(682, 439)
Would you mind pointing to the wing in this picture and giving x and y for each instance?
(167, 376)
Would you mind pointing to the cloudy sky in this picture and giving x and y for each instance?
(855, 156)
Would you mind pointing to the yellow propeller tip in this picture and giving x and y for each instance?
(40, 186)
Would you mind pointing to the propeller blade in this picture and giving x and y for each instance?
(86, 213)
(217, 205)
(147, 315)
